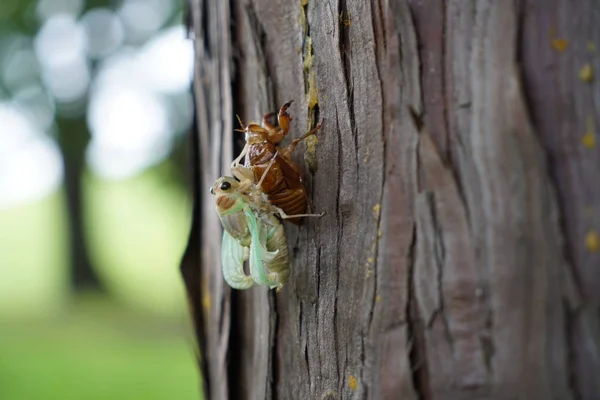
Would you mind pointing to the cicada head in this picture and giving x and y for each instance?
(229, 203)
(228, 197)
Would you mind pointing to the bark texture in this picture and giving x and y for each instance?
(458, 257)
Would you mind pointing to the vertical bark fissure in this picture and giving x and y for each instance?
(345, 49)
(570, 317)
(439, 257)
(273, 349)
(415, 331)
(234, 347)
(307, 342)
(444, 91)
(316, 311)
(335, 294)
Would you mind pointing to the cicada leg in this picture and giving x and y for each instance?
(236, 162)
(288, 150)
(286, 216)
(266, 171)
(276, 134)
(266, 123)
(243, 174)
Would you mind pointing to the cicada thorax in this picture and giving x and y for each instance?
(260, 151)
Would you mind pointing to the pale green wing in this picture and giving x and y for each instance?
(233, 256)
(259, 255)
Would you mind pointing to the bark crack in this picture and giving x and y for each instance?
(443, 88)
(345, 48)
(439, 255)
(273, 361)
(415, 330)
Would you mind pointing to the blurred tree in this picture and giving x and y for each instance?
(73, 137)
(70, 124)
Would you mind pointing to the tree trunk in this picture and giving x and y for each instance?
(458, 257)
(73, 138)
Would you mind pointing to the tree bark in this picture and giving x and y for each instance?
(458, 257)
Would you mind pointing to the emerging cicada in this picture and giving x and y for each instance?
(251, 233)
(271, 167)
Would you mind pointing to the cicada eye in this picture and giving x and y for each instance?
(212, 190)
(225, 186)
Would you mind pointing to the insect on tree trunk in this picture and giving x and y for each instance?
(457, 167)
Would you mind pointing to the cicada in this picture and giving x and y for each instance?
(271, 167)
(252, 233)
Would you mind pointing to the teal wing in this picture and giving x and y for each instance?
(259, 255)
(233, 255)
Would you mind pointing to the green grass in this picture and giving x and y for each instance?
(32, 257)
(137, 230)
(97, 350)
(135, 345)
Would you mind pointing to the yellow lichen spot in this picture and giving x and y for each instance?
(586, 73)
(310, 155)
(378, 299)
(312, 98)
(591, 46)
(308, 60)
(367, 155)
(206, 301)
(560, 44)
(592, 241)
(303, 3)
(376, 211)
(370, 260)
(345, 20)
(589, 138)
(352, 382)
(379, 234)
(302, 20)
(311, 142)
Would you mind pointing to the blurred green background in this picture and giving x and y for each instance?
(94, 210)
